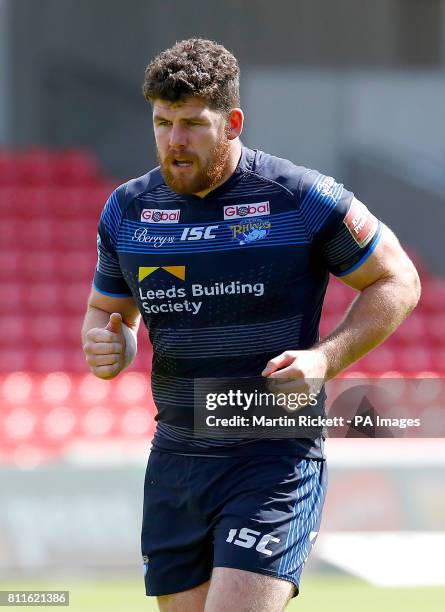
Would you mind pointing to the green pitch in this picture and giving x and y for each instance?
(319, 594)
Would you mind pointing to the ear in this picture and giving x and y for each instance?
(235, 123)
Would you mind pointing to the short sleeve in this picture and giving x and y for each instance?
(343, 229)
(108, 277)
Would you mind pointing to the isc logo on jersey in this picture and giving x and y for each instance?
(196, 233)
(238, 211)
(156, 215)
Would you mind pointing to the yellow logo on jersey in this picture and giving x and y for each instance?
(178, 271)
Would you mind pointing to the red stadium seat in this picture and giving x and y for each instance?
(75, 296)
(338, 298)
(78, 167)
(55, 388)
(328, 323)
(9, 169)
(77, 265)
(11, 297)
(414, 359)
(412, 330)
(48, 360)
(144, 356)
(37, 233)
(438, 360)
(10, 264)
(12, 331)
(418, 261)
(25, 202)
(95, 199)
(68, 234)
(45, 331)
(91, 389)
(67, 202)
(75, 359)
(77, 203)
(136, 421)
(40, 266)
(435, 329)
(8, 205)
(19, 423)
(44, 297)
(10, 233)
(17, 388)
(88, 201)
(39, 167)
(99, 422)
(59, 424)
(71, 326)
(382, 359)
(13, 359)
(131, 388)
(433, 295)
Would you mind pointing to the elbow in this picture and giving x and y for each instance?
(412, 286)
(418, 288)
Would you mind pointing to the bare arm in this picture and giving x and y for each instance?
(389, 289)
(109, 334)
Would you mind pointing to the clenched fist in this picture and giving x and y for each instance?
(105, 348)
(297, 371)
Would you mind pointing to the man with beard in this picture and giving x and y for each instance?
(226, 252)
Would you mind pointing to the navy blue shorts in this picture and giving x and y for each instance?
(259, 514)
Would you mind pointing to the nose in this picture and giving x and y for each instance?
(178, 137)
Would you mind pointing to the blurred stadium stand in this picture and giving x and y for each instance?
(50, 202)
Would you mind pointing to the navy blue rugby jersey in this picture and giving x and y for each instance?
(226, 282)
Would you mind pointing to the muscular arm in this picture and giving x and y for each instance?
(109, 333)
(389, 289)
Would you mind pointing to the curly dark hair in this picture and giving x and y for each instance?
(194, 67)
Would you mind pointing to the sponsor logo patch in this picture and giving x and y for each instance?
(144, 271)
(157, 215)
(142, 235)
(248, 538)
(155, 300)
(361, 223)
(326, 186)
(196, 233)
(250, 231)
(239, 211)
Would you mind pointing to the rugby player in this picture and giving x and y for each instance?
(225, 253)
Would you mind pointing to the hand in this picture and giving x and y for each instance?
(105, 348)
(297, 372)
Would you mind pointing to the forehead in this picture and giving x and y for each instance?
(184, 108)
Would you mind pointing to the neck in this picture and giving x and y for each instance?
(232, 163)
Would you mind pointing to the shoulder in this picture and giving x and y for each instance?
(302, 182)
(283, 172)
(122, 197)
(135, 187)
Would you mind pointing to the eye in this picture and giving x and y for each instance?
(163, 122)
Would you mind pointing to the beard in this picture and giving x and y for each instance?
(204, 177)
